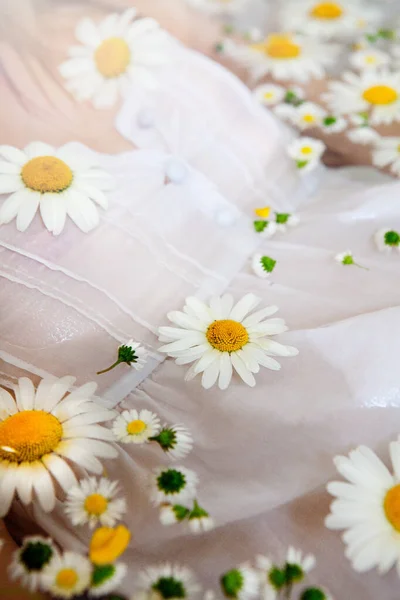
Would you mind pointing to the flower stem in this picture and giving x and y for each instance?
(361, 267)
(117, 362)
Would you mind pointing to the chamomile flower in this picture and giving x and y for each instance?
(114, 54)
(221, 7)
(300, 565)
(94, 501)
(265, 228)
(363, 136)
(223, 336)
(269, 94)
(367, 507)
(306, 152)
(285, 56)
(60, 183)
(172, 485)
(41, 432)
(263, 265)
(387, 239)
(333, 124)
(241, 583)
(131, 353)
(136, 427)
(387, 152)
(175, 440)
(271, 578)
(199, 519)
(377, 92)
(370, 58)
(170, 514)
(30, 559)
(67, 575)
(285, 220)
(170, 582)
(106, 578)
(327, 19)
(308, 115)
(347, 258)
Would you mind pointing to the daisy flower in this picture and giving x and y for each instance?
(297, 565)
(327, 19)
(30, 559)
(41, 432)
(263, 265)
(176, 441)
(58, 182)
(333, 124)
(222, 7)
(222, 336)
(114, 54)
(241, 583)
(199, 519)
(387, 240)
(367, 507)
(132, 353)
(108, 543)
(269, 94)
(168, 581)
(271, 578)
(307, 115)
(346, 258)
(363, 136)
(387, 152)
(106, 578)
(172, 486)
(377, 92)
(306, 152)
(285, 56)
(94, 501)
(170, 514)
(67, 575)
(370, 58)
(136, 427)
(266, 228)
(314, 593)
(285, 220)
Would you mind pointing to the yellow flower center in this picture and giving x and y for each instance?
(112, 57)
(46, 174)
(66, 579)
(96, 504)
(29, 435)
(380, 94)
(398, 148)
(136, 427)
(306, 150)
(309, 118)
(268, 95)
(107, 544)
(327, 10)
(370, 60)
(227, 335)
(263, 212)
(391, 506)
(278, 46)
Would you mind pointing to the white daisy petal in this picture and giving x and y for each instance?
(60, 470)
(25, 394)
(10, 183)
(242, 370)
(15, 156)
(27, 211)
(210, 375)
(82, 211)
(35, 149)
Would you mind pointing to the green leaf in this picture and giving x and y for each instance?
(387, 34)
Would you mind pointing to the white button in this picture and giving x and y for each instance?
(145, 118)
(225, 217)
(175, 170)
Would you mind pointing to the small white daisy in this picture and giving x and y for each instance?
(93, 501)
(369, 59)
(363, 136)
(170, 582)
(172, 485)
(222, 336)
(308, 115)
(285, 220)
(136, 427)
(199, 519)
(170, 514)
(28, 562)
(306, 152)
(271, 578)
(131, 353)
(241, 583)
(367, 507)
(221, 7)
(347, 258)
(262, 265)
(269, 94)
(67, 575)
(305, 563)
(58, 182)
(106, 578)
(114, 54)
(285, 56)
(387, 152)
(333, 124)
(374, 91)
(266, 229)
(175, 440)
(284, 111)
(387, 240)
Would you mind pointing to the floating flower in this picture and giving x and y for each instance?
(223, 7)
(169, 581)
(173, 513)
(106, 578)
(173, 486)
(199, 519)
(30, 559)
(132, 353)
(266, 228)
(107, 544)
(114, 54)
(387, 152)
(368, 508)
(221, 336)
(376, 91)
(333, 124)
(263, 265)
(59, 182)
(275, 579)
(41, 432)
(269, 94)
(272, 579)
(285, 220)
(297, 565)
(308, 115)
(136, 427)
(67, 575)
(94, 501)
(176, 441)
(387, 240)
(241, 583)
(346, 258)
(370, 58)
(306, 152)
